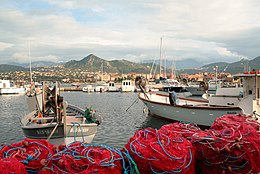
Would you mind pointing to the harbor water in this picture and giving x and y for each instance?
(122, 115)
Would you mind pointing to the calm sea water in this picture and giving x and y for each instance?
(119, 121)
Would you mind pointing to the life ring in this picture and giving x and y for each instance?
(185, 81)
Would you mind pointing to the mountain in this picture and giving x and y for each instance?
(235, 67)
(11, 68)
(35, 64)
(94, 63)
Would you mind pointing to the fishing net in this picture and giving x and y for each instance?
(183, 129)
(32, 153)
(235, 121)
(156, 151)
(11, 165)
(233, 146)
(89, 158)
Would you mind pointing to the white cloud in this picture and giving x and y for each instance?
(4, 46)
(225, 52)
(130, 30)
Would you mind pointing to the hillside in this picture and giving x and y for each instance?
(11, 68)
(94, 63)
(235, 67)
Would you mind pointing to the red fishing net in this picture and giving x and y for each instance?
(31, 153)
(233, 146)
(87, 159)
(183, 129)
(161, 151)
(11, 166)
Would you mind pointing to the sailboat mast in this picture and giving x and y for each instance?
(161, 57)
(30, 61)
(102, 70)
(165, 75)
(151, 76)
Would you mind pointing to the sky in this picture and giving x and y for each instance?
(63, 30)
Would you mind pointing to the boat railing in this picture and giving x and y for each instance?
(76, 109)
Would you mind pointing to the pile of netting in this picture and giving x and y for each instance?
(231, 145)
(38, 156)
(11, 166)
(161, 151)
(183, 129)
(89, 158)
(28, 153)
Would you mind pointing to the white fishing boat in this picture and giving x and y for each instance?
(6, 88)
(88, 88)
(54, 119)
(101, 86)
(112, 87)
(128, 86)
(204, 112)
(184, 109)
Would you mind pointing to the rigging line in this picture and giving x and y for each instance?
(132, 104)
(52, 132)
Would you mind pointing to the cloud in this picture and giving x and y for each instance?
(4, 46)
(210, 31)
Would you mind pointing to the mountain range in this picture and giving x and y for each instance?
(94, 63)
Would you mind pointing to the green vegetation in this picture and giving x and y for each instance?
(11, 68)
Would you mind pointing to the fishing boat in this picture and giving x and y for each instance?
(54, 119)
(88, 88)
(204, 112)
(6, 88)
(184, 109)
(127, 86)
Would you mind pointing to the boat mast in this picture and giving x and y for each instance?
(165, 75)
(161, 57)
(30, 61)
(102, 70)
(151, 76)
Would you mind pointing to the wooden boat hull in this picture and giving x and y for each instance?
(43, 132)
(199, 114)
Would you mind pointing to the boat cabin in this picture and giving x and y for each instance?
(5, 84)
(247, 98)
(128, 86)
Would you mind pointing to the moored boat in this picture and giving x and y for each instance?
(6, 88)
(184, 109)
(204, 112)
(54, 119)
(127, 86)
